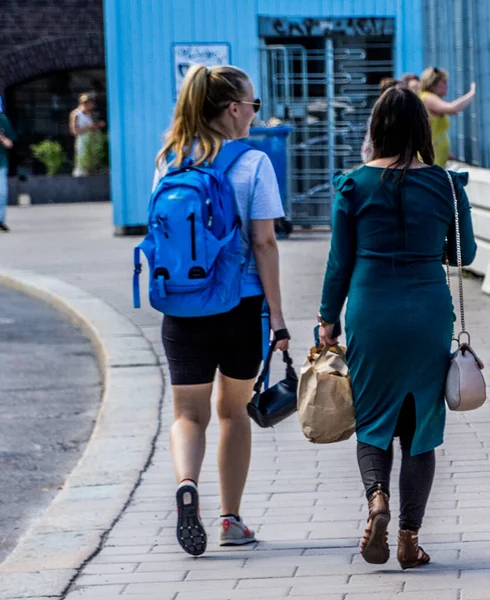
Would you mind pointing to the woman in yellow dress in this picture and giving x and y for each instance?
(433, 88)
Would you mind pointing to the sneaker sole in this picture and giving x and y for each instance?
(190, 532)
(237, 542)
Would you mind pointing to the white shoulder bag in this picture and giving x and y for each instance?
(465, 385)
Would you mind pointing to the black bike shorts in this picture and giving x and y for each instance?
(231, 342)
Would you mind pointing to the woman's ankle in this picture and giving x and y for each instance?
(187, 480)
(378, 487)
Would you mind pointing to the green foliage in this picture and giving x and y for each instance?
(51, 154)
(95, 155)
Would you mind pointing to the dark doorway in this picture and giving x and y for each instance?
(39, 110)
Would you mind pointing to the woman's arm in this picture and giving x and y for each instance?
(7, 133)
(265, 206)
(436, 105)
(468, 244)
(266, 253)
(73, 123)
(341, 260)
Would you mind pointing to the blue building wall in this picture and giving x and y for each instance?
(139, 38)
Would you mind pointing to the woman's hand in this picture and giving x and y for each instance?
(4, 140)
(473, 88)
(325, 334)
(277, 323)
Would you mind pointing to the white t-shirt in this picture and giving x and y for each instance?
(257, 197)
(82, 120)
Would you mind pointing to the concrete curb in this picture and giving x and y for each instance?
(73, 528)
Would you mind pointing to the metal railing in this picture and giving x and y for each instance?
(327, 95)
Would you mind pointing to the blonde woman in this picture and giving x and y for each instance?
(433, 86)
(81, 123)
(217, 105)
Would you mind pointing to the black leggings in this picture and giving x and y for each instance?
(416, 475)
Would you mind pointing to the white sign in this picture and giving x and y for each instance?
(186, 55)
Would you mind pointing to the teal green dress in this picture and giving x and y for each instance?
(399, 318)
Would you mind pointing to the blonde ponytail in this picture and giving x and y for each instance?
(205, 93)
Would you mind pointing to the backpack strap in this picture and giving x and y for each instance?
(266, 338)
(229, 154)
(136, 278)
(145, 246)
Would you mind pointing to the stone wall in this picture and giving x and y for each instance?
(40, 36)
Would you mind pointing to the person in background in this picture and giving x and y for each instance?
(390, 222)
(387, 83)
(81, 123)
(411, 82)
(7, 139)
(367, 146)
(433, 88)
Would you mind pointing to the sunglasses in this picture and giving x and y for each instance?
(257, 103)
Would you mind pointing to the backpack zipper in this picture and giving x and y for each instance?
(210, 212)
(192, 219)
(162, 221)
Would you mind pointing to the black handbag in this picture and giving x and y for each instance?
(279, 401)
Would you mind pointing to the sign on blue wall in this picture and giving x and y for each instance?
(306, 27)
(208, 54)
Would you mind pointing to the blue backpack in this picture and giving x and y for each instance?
(193, 245)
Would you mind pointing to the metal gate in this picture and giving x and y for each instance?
(326, 94)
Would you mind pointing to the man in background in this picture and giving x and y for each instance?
(7, 139)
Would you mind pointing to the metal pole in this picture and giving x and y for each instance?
(458, 75)
(264, 80)
(476, 133)
(330, 93)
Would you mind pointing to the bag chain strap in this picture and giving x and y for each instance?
(458, 255)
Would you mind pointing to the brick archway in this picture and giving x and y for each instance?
(55, 54)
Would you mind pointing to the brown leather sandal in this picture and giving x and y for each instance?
(374, 545)
(410, 554)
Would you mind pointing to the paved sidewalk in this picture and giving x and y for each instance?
(306, 502)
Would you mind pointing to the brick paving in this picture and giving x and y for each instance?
(306, 502)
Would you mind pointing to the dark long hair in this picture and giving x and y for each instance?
(400, 129)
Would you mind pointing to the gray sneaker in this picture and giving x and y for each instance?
(235, 533)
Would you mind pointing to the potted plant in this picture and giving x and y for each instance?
(51, 154)
(95, 155)
(63, 188)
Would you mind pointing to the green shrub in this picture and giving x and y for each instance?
(51, 154)
(95, 154)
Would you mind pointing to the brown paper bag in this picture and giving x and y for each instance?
(325, 406)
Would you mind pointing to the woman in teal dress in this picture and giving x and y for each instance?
(391, 218)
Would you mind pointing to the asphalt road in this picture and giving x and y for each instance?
(50, 390)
